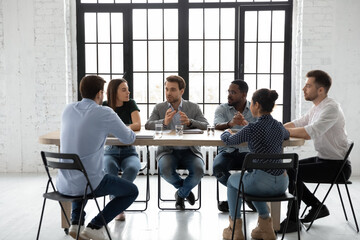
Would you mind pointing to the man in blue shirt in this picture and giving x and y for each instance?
(84, 128)
(231, 115)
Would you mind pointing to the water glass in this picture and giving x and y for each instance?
(158, 129)
(210, 130)
(179, 130)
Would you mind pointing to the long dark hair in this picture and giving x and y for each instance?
(112, 91)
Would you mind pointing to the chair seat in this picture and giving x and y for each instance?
(65, 198)
(284, 197)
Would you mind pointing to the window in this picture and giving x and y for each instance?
(207, 42)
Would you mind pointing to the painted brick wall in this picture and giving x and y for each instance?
(2, 89)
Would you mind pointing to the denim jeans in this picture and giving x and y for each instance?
(125, 193)
(226, 161)
(124, 159)
(257, 183)
(182, 158)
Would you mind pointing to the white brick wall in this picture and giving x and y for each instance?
(38, 69)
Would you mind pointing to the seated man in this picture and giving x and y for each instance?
(170, 113)
(231, 115)
(325, 125)
(84, 128)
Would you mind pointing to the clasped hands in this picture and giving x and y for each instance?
(238, 119)
(171, 113)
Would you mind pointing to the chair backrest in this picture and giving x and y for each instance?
(343, 179)
(74, 163)
(287, 161)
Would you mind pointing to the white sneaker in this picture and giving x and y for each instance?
(95, 234)
(73, 232)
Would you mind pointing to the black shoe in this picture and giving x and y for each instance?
(309, 217)
(251, 206)
(223, 206)
(191, 198)
(179, 205)
(290, 228)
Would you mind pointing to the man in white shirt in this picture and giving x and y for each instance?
(325, 125)
(84, 128)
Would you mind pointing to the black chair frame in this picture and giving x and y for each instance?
(160, 199)
(339, 179)
(248, 164)
(75, 165)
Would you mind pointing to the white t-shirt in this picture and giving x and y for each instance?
(325, 124)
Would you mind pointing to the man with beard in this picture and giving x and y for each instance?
(325, 125)
(172, 112)
(231, 115)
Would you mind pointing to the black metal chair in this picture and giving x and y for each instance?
(338, 180)
(160, 199)
(287, 161)
(73, 163)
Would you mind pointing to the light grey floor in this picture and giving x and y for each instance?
(21, 201)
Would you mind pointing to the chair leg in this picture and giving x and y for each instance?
(102, 216)
(342, 202)
(41, 217)
(317, 186)
(352, 208)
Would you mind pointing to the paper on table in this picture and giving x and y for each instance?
(194, 130)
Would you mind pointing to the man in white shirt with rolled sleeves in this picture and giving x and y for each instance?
(325, 125)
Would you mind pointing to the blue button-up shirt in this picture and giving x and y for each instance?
(84, 128)
(225, 113)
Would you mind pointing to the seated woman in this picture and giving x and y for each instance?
(266, 135)
(122, 158)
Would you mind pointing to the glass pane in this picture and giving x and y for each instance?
(196, 56)
(264, 57)
(250, 57)
(155, 23)
(171, 55)
(277, 58)
(154, 1)
(211, 87)
(263, 81)
(117, 58)
(88, 1)
(227, 23)
(209, 112)
(211, 56)
(278, 26)
(264, 25)
(103, 27)
(90, 58)
(138, 1)
(143, 113)
(156, 88)
(106, 1)
(212, 0)
(155, 55)
(117, 27)
(250, 79)
(140, 88)
(90, 27)
(140, 55)
(212, 23)
(227, 55)
(195, 23)
(171, 24)
(139, 24)
(196, 87)
(122, 1)
(225, 80)
(250, 26)
(277, 83)
(277, 112)
(104, 58)
(170, 1)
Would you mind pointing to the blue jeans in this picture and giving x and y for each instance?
(124, 159)
(257, 183)
(125, 193)
(184, 159)
(224, 162)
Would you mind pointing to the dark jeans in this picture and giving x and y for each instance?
(224, 162)
(314, 169)
(125, 193)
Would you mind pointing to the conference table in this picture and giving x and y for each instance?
(169, 138)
